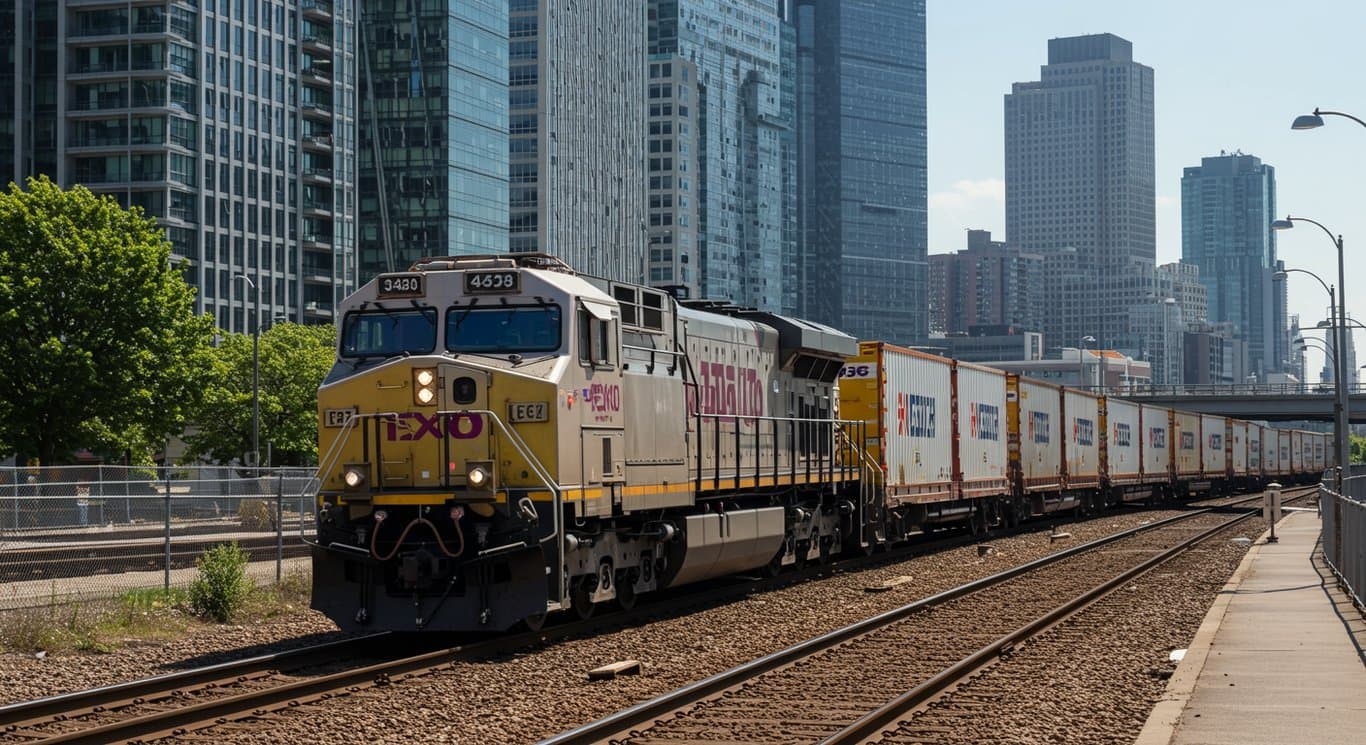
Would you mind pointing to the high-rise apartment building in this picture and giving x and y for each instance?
(1079, 154)
(433, 103)
(862, 166)
(1080, 177)
(733, 109)
(230, 122)
(988, 284)
(1227, 205)
(577, 77)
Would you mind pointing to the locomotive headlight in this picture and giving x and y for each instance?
(355, 475)
(424, 386)
(479, 476)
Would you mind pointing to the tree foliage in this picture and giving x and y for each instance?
(99, 344)
(293, 361)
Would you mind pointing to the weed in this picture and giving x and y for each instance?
(221, 586)
(256, 514)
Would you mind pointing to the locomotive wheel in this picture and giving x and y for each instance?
(581, 598)
(626, 591)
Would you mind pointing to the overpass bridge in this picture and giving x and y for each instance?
(1272, 403)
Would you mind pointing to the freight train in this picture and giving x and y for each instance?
(502, 437)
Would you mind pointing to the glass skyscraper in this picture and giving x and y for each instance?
(862, 173)
(433, 81)
(732, 109)
(1227, 205)
(577, 122)
(229, 121)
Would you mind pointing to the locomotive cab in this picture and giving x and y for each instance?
(441, 438)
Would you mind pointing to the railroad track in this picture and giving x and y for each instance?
(183, 702)
(850, 684)
(77, 561)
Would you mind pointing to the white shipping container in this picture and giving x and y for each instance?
(1320, 451)
(1040, 435)
(1081, 412)
(1186, 436)
(911, 403)
(1214, 443)
(1285, 447)
(1123, 456)
(1157, 444)
(982, 446)
(1301, 451)
(1237, 463)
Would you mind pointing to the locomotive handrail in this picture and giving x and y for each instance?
(830, 427)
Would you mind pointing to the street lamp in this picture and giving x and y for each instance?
(1315, 120)
(255, 373)
(1340, 366)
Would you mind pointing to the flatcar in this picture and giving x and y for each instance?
(502, 437)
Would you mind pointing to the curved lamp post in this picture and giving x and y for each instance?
(1340, 361)
(255, 374)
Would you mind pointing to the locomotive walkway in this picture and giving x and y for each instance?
(1280, 657)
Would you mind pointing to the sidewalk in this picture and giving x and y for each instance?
(1278, 659)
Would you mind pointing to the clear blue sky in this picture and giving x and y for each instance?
(1228, 75)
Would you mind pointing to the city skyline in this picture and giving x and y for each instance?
(1210, 96)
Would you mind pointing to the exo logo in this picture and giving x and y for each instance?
(603, 397)
(413, 425)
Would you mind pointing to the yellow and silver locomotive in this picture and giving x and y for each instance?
(502, 437)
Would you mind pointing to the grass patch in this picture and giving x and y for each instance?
(143, 615)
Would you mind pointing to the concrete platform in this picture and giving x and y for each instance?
(1278, 659)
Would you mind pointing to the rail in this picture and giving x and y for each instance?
(1344, 535)
(635, 719)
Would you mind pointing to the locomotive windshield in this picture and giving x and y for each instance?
(503, 328)
(385, 333)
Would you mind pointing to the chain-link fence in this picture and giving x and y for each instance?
(82, 532)
(1344, 532)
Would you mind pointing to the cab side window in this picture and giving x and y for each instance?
(596, 340)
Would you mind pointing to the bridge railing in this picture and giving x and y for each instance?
(1344, 533)
(1235, 389)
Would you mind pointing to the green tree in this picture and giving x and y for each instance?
(293, 361)
(1358, 448)
(99, 344)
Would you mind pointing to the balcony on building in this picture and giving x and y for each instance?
(316, 71)
(318, 10)
(315, 310)
(316, 241)
(318, 140)
(317, 39)
(317, 269)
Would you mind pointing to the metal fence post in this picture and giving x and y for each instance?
(279, 525)
(14, 473)
(166, 581)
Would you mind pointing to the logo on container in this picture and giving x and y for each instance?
(1216, 442)
(914, 415)
(1187, 440)
(1157, 437)
(1123, 435)
(1038, 427)
(986, 421)
(1083, 431)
